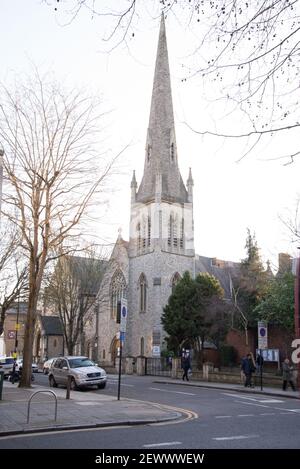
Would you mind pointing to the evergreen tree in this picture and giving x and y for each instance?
(277, 307)
(192, 310)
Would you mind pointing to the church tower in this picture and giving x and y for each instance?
(161, 244)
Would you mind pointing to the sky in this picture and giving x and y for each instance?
(229, 195)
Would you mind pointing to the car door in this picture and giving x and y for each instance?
(64, 371)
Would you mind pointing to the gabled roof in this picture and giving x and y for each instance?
(51, 325)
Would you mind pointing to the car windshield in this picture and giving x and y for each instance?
(6, 361)
(80, 362)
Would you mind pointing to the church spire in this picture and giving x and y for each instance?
(161, 149)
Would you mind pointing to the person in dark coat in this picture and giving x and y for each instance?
(186, 365)
(287, 375)
(259, 363)
(248, 368)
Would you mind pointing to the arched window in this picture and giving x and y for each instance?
(148, 152)
(139, 238)
(144, 233)
(149, 232)
(175, 279)
(172, 151)
(143, 293)
(182, 233)
(117, 291)
(175, 232)
(170, 231)
(142, 346)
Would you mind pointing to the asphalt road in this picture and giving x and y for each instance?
(226, 420)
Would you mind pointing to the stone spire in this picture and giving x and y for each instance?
(161, 149)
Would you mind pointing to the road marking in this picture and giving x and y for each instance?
(288, 410)
(252, 403)
(246, 415)
(223, 416)
(271, 401)
(268, 413)
(167, 443)
(174, 392)
(238, 437)
(122, 384)
(264, 400)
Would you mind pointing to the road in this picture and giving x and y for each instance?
(226, 420)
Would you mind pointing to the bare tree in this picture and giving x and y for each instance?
(72, 292)
(247, 50)
(13, 271)
(53, 172)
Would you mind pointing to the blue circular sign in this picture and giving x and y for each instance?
(262, 331)
(124, 312)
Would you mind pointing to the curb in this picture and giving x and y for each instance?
(238, 390)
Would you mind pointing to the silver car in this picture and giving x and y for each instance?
(82, 370)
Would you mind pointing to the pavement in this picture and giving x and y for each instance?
(88, 409)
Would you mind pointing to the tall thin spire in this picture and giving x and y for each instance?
(161, 150)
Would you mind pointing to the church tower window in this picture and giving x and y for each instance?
(149, 231)
(172, 151)
(182, 233)
(148, 153)
(143, 293)
(139, 240)
(117, 291)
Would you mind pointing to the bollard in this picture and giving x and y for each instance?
(68, 386)
(1, 383)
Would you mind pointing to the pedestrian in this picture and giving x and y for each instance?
(259, 363)
(185, 365)
(15, 373)
(248, 368)
(287, 375)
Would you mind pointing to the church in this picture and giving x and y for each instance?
(161, 240)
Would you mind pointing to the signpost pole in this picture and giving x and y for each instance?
(120, 368)
(261, 370)
(123, 319)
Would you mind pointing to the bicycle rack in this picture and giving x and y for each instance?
(36, 392)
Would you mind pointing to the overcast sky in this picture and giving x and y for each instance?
(229, 196)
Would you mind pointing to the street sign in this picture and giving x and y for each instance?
(122, 337)
(123, 315)
(262, 332)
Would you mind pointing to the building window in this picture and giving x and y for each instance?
(170, 231)
(149, 231)
(103, 354)
(143, 293)
(139, 239)
(182, 233)
(173, 239)
(148, 153)
(54, 343)
(172, 151)
(117, 291)
(175, 279)
(142, 346)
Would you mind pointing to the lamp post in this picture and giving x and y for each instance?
(297, 308)
(17, 327)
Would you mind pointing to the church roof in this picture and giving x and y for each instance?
(51, 325)
(161, 150)
(222, 270)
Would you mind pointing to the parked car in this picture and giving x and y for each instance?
(34, 366)
(6, 365)
(83, 371)
(47, 365)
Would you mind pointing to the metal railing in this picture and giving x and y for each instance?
(36, 392)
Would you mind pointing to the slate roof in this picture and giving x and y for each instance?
(51, 325)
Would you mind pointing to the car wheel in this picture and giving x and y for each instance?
(52, 382)
(101, 385)
(73, 385)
